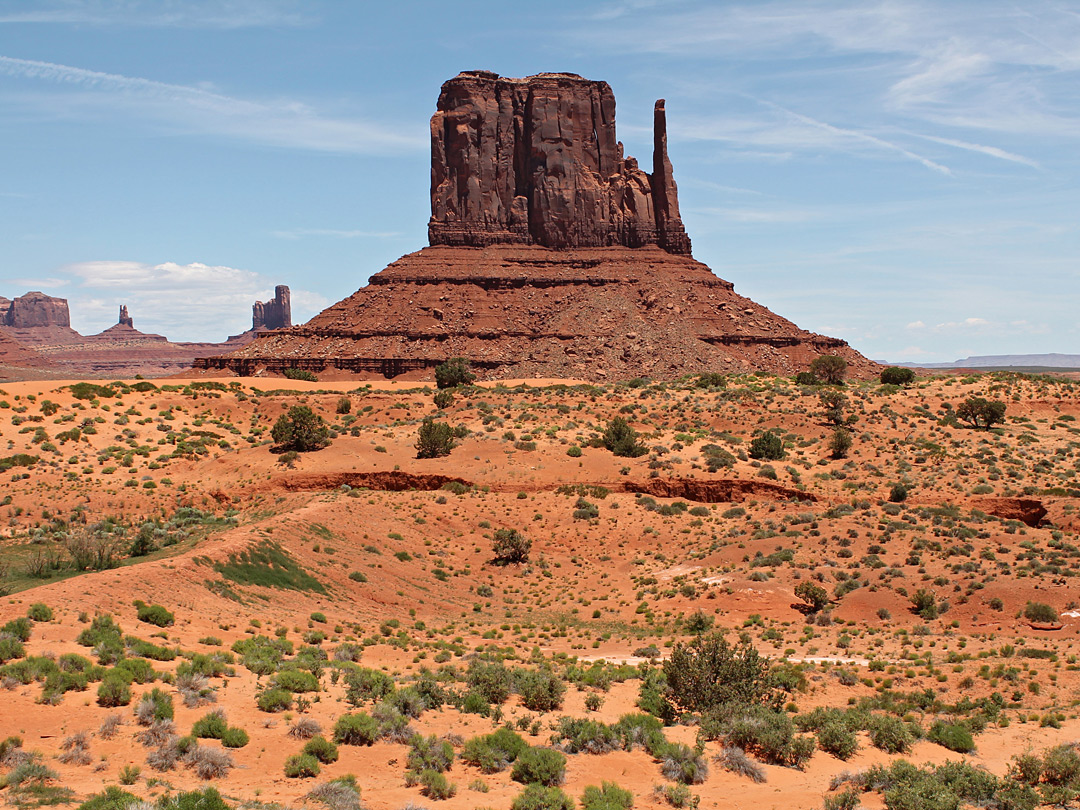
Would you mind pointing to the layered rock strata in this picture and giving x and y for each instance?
(529, 311)
(552, 255)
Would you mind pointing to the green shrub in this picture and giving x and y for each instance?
(573, 451)
(708, 673)
(436, 786)
(544, 766)
(274, 700)
(301, 766)
(834, 737)
(829, 368)
(954, 737)
(622, 440)
(84, 390)
(443, 399)
(205, 799)
(890, 734)
(322, 749)
(112, 798)
(540, 691)
(296, 680)
(980, 413)
(434, 439)
(510, 546)
(40, 612)
(681, 763)
(300, 429)
(10, 648)
(538, 797)
(894, 375)
(154, 706)
(114, 691)
(299, 374)
(1040, 612)
(494, 752)
(453, 372)
(430, 753)
(767, 446)
(154, 614)
(924, 602)
(233, 737)
(609, 796)
(210, 726)
(18, 628)
(364, 684)
(356, 729)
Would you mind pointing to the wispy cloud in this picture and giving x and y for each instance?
(223, 14)
(21, 285)
(282, 123)
(300, 233)
(992, 151)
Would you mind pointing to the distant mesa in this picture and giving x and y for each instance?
(552, 254)
(275, 313)
(37, 337)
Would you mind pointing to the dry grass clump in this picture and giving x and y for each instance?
(734, 759)
(165, 756)
(195, 690)
(109, 726)
(209, 763)
(76, 749)
(336, 796)
(157, 733)
(305, 728)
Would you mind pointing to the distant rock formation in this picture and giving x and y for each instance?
(536, 161)
(125, 319)
(35, 310)
(275, 313)
(551, 255)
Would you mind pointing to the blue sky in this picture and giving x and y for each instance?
(900, 174)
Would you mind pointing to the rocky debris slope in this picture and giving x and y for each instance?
(551, 255)
(527, 311)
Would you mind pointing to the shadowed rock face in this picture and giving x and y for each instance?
(536, 161)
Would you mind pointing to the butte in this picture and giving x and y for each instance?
(550, 254)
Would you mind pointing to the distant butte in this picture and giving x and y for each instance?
(551, 255)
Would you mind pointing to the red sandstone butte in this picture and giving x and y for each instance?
(551, 255)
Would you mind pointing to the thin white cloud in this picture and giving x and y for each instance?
(758, 215)
(863, 137)
(221, 14)
(300, 233)
(282, 123)
(992, 151)
(23, 284)
(192, 302)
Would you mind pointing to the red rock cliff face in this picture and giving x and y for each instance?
(536, 161)
(34, 310)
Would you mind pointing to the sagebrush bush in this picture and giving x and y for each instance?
(540, 797)
(545, 766)
(301, 766)
(322, 749)
(356, 729)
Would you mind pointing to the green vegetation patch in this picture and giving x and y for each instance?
(269, 566)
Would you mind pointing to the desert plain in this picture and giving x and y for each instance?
(185, 606)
